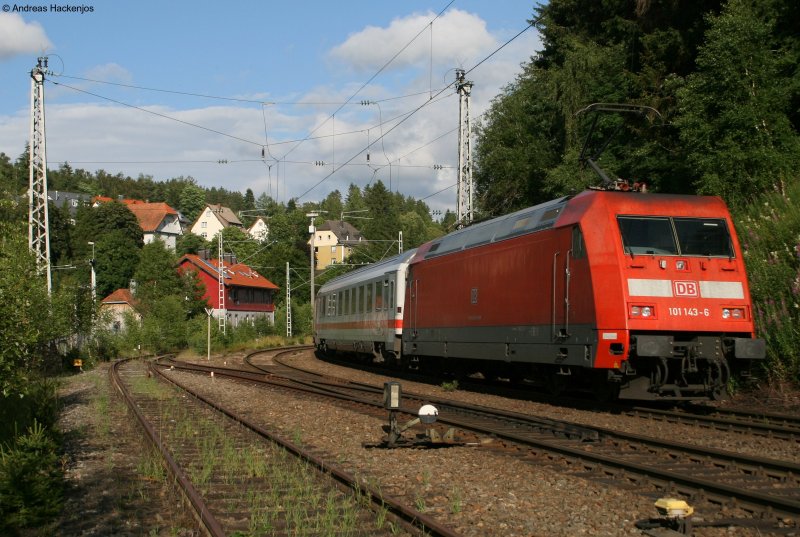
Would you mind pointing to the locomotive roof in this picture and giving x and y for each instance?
(536, 218)
(373, 270)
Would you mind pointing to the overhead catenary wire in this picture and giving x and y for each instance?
(379, 71)
(234, 99)
(265, 143)
(420, 107)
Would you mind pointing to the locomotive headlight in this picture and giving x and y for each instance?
(644, 312)
(733, 313)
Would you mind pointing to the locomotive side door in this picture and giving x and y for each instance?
(568, 247)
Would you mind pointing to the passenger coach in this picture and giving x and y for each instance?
(362, 311)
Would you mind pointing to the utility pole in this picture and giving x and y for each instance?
(94, 275)
(400, 243)
(38, 219)
(313, 230)
(464, 212)
(288, 302)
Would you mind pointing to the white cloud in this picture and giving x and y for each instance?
(18, 37)
(458, 37)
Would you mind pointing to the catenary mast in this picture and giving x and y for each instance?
(38, 219)
(464, 212)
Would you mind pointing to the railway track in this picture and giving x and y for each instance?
(758, 485)
(782, 426)
(240, 477)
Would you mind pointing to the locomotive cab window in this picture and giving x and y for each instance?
(647, 235)
(704, 237)
(661, 235)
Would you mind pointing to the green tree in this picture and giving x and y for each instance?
(192, 201)
(332, 205)
(25, 327)
(734, 111)
(116, 258)
(189, 243)
(156, 275)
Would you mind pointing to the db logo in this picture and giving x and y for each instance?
(686, 288)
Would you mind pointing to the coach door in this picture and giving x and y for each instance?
(412, 290)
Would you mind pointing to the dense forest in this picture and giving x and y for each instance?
(719, 89)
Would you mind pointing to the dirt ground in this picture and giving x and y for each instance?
(113, 487)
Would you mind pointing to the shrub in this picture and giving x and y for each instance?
(31, 482)
(769, 231)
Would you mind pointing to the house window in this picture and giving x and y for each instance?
(204, 235)
(74, 203)
(203, 224)
(333, 249)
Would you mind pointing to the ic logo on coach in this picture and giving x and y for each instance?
(686, 288)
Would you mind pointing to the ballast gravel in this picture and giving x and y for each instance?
(473, 490)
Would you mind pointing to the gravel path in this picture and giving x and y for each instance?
(110, 490)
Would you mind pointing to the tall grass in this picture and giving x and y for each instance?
(769, 230)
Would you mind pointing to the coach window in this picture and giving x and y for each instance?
(578, 247)
(353, 300)
(386, 293)
(369, 298)
(361, 299)
(391, 294)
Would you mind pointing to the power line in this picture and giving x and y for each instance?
(233, 99)
(385, 65)
(532, 23)
(165, 116)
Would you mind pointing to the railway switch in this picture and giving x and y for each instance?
(427, 415)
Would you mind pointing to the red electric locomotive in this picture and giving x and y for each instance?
(643, 296)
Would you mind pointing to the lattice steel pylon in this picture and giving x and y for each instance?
(464, 213)
(38, 219)
(223, 313)
(288, 303)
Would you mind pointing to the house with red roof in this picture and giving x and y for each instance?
(157, 220)
(118, 307)
(247, 295)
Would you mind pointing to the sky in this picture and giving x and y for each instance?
(290, 99)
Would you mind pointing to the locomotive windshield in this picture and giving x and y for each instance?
(661, 235)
